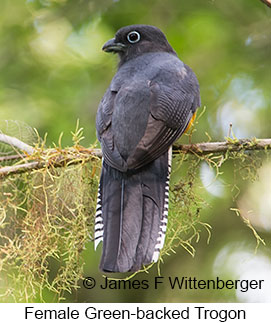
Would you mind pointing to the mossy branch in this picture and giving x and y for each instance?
(71, 156)
(51, 157)
(224, 146)
(47, 211)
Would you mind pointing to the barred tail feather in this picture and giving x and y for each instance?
(163, 223)
(98, 228)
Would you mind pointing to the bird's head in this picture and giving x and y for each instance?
(132, 41)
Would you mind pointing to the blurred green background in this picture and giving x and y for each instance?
(53, 72)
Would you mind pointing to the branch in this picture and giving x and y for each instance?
(72, 156)
(267, 2)
(54, 158)
(16, 143)
(218, 147)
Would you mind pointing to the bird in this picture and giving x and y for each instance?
(150, 102)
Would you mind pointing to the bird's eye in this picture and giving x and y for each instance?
(133, 37)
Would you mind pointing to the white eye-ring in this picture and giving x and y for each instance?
(133, 37)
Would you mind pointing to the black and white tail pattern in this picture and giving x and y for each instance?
(163, 221)
(98, 233)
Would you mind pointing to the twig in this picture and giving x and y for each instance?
(267, 2)
(11, 157)
(16, 143)
(72, 156)
(16, 169)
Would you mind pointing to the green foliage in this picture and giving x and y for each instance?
(53, 70)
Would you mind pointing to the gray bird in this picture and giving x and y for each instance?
(149, 104)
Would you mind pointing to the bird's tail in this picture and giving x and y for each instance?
(131, 215)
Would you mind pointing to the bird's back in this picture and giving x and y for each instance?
(131, 87)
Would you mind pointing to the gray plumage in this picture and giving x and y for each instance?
(148, 105)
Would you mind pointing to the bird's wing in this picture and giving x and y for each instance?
(169, 109)
(104, 113)
(104, 131)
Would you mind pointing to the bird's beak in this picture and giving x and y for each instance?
(112, 46)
